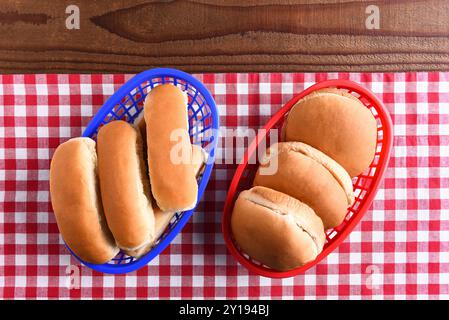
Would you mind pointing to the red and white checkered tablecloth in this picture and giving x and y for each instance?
(399, 250)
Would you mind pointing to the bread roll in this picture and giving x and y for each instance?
(76, 201)
(125, 188)
(163, 218)
(172, 177)
(199, 155)
(275, 229)
(336, 123)
(310, 176)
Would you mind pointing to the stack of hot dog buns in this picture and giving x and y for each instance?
(303, 184)
(121, 192)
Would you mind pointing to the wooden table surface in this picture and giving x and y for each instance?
(223, 35)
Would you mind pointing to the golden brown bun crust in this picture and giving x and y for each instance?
(173, 184)
(199, 155)
(336, 91)
(331, 165)
(337, 124)
(315, 93)
(275, 229)
(125, 188)
(76, 201)
(305, 179)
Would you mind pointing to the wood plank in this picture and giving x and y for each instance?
(221, 36)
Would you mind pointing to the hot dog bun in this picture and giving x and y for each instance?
(76, 201)
(125, 188)
(172, 177)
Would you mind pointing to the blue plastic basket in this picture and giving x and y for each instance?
(126, 104)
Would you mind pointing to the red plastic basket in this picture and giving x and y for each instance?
(365, 185)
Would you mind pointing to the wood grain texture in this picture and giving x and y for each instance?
(223, 35)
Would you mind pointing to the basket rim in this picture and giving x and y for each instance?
(387, 143)
(109, 104)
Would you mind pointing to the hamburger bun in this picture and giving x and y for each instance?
(172, 176)
(275, 229)
(310, 176)
(124, 185)
(336, 123)
(76, 201)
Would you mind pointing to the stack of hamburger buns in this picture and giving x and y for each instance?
(328, 137)
(122, 191)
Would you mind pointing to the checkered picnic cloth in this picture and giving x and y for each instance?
(400, 249)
